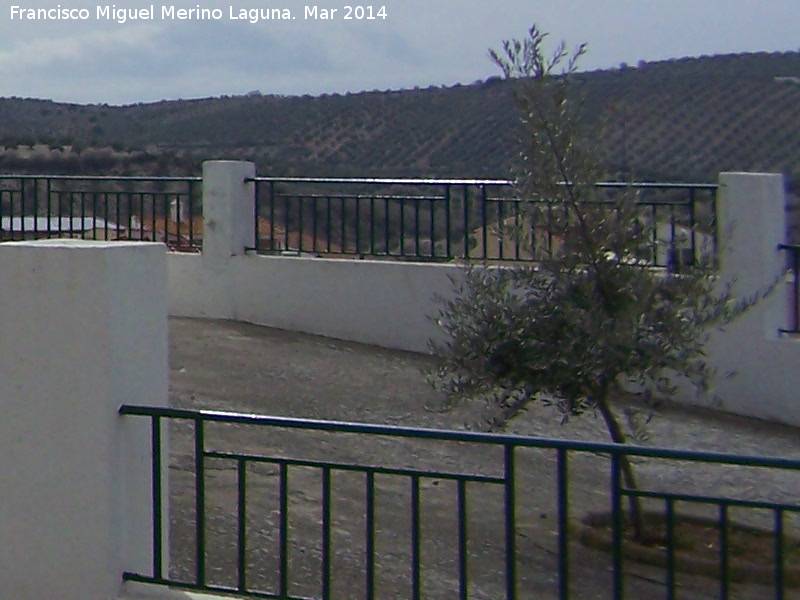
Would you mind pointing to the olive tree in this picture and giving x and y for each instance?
(589, 320)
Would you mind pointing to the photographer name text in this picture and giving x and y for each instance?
(111, 12)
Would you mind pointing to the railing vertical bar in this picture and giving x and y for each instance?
(329, 234)
(71, 215)
(272, 216)
(562, 500)
(465, 198)
(35, 208)
(723, 552)
(416, 227)
(153, 212)
(415, 538)
(502, 229)
(447, 201)
(518, 230)
(358, 223)
(326, 533)
(301, 204)
(654, 237)
(286, 216)
(283, 529)
(779, 555)
(673, 255)
(670, 547)
(796, 289)
(343, 206)
(370, 549)
(10, 196)
(484, 222)
(116, 217)
(372, 225)
(22, 211)
(241, 521)
(257, 187)
(314, 224)
(402, 227)
(94, 215)
(139, 211)
(178, 211)
(714, 225)
(49, 209)
(616, 526)
(199, 501)
(156, 200)
(462, 540)
(143, 214)
(11, 210)
(155, 464)
(432, 236)
(190, 203)
(692, 225)
(510, 521)
(386, 226)
(129, 223)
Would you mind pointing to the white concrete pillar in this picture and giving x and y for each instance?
(228, 209)
(751, 217)
(84, 330)
(754, 364)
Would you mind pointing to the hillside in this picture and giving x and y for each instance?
(683, 119)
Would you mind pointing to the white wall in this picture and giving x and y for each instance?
(390, 303)
(765, 381)
(75, 476)
(381, 303)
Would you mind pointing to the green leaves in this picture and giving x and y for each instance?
(591, 317)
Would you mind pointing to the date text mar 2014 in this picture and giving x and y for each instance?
(347, 13)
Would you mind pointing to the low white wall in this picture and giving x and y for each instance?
(390, 305)
(387, 304)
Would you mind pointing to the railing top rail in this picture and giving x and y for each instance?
(383, 181)
(361, 180)
(102, 177)
(476, 182)
(429, 197)
(461, 436)
(661, 185)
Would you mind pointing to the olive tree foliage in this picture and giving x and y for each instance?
(590, 320)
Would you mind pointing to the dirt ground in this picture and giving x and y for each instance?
(238, 367)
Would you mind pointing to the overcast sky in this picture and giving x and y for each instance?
(418, 43)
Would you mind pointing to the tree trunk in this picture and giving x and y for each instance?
(618, 437)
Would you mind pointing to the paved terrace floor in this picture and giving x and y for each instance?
(238, 367)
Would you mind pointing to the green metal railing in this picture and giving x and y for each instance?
(516, 467)
(102, 207)
(445, 219)
(406, 219)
